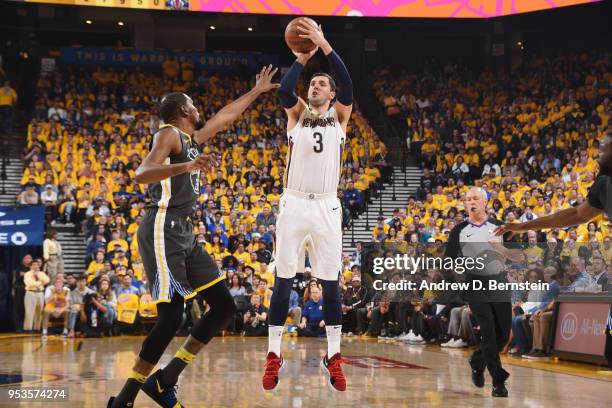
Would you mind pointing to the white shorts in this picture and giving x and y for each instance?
(314, 220)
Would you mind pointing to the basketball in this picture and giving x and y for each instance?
(293, 39)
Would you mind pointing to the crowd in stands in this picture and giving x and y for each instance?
(90, 130)
(530, 138)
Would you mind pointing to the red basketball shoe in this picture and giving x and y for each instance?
(333, 368)
(271, 369)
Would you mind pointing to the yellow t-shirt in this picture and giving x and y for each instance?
(8, 96)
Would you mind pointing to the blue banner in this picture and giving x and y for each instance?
(22, 226)
(154, 58)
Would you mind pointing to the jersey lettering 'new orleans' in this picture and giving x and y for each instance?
(315, 153)
(179, 192)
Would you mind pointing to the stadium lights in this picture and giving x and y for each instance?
(120, 23)
(519, 43)
(212, 27)
(88, 21)
(250, 28)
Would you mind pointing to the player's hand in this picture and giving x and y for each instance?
(204, 162)
(512, 227)
(263, 80)
(303, 57)
(313, 32)
(322, 323)
(302, 325)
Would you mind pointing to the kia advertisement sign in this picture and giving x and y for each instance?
(581, 328)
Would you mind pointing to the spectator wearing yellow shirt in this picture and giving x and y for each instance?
(253, 262)
(533, 252)
(116, 240)
(96, 266)
(242, 255)
(264, 291)
(381, 230)
(56, 304)
(8, 101)
(119, 258)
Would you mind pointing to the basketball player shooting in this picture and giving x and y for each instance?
(310, 211)
(176, 265)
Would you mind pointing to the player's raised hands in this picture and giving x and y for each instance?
(263, 80)
(303, 57)
(313, 32)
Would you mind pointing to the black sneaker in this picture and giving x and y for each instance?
(532, 352)
(478, 378)
(112, 400)
(164, 396)
(538, 355)
(500, 391)
(517, 353)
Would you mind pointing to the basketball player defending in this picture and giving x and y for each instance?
(176, 265)
(310, 211)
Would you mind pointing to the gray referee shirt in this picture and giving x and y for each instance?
(469, 240)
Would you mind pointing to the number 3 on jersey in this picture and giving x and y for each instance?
(318, 148)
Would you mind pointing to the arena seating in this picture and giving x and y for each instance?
(529, 138)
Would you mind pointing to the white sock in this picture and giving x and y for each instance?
(334, 334)
(275, 335)
(44, 331)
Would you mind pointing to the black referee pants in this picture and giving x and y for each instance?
(495, 321)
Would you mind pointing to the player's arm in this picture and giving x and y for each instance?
(166, 142)
(344, 84)
(231, 112)
(564, 218)
(292, 103)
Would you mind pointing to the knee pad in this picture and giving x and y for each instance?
(219, 299)
(162, 333)
(222, 311)
(279, 303)
(332, 307)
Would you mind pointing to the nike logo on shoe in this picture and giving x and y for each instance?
(334, 209)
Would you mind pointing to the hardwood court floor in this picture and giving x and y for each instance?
(228, 374)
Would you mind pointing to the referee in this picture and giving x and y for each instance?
(598, 202)
(475, 239)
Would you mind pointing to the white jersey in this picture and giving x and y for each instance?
(315, 153)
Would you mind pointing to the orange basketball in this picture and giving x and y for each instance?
(293, 39)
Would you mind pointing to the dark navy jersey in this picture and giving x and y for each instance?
(600, 194)
(469, 240)
(178, 193)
